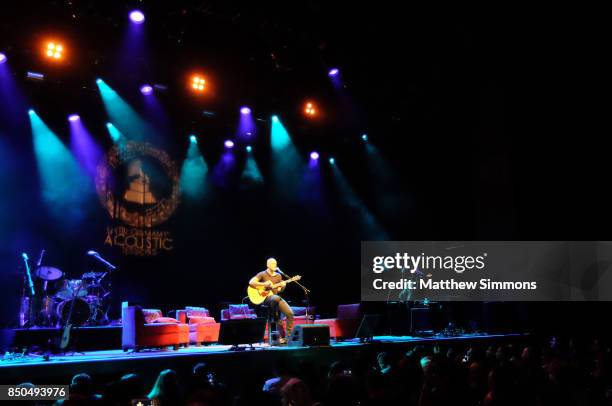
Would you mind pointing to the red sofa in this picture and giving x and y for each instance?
(147, 328)
(202, 327)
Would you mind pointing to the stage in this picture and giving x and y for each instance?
(93, 338)
(260, 359)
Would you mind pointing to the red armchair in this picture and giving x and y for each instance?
(346, 323)
(146, 328)
(202, 327)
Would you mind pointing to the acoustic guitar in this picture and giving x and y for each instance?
(259, 294)
(66, 333)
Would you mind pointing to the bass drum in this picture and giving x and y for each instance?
(80, 312)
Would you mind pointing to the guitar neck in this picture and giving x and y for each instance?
(276, 285)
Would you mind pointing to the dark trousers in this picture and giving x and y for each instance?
(276, 303)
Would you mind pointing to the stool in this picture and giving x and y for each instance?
(272, 320)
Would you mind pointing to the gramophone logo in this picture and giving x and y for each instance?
(138, 184)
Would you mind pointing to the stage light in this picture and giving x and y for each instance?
(246, 124)
(115, 134)
(229, 144)
(314, 155)
(137, 17)
(249, 148)
(2, 58)
(160, 87)
(369, 227)
(84, 146)
(335, 78)
(31, 111)
(54, 51)
(309, 109)
(193, 172)
(59, 173)
(198, 83)
(251, 175)
(364, 137)
(287, 162)
(122, 115)
(35, 76)
(146, 90)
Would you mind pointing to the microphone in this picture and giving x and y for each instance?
(102, 260)
(40, 258)
(281, 272)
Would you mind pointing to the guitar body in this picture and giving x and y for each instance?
(65, 337)
(258, 295)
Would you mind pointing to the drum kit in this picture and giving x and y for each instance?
(50, 305)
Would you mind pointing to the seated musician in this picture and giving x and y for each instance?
(268, 278)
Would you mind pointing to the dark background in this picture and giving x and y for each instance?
(484, 116)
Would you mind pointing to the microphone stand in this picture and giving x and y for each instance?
(105, 303)
(306, 292)
(107, 294)
(30, 296)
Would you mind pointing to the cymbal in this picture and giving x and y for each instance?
(92, 275)
(48, 273)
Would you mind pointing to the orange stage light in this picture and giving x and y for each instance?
(310, 109)
(54, 50)
(198, 83)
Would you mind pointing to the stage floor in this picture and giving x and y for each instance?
(114, 363)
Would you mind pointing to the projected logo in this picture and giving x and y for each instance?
(138, 184)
